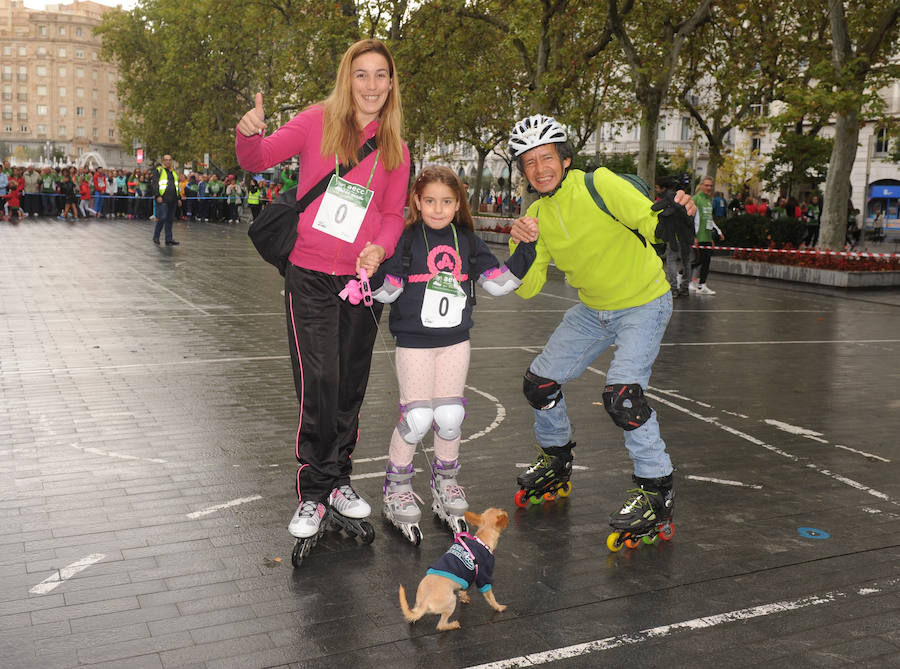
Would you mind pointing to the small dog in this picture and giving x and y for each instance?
(469, 559)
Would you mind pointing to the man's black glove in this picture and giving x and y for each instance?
(673, 217)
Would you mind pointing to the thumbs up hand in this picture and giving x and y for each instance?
(254, 121)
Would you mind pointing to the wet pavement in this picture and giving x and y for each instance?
(147, 468)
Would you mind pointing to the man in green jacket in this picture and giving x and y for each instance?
(625, 300)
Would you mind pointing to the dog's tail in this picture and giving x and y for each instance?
(411, 616)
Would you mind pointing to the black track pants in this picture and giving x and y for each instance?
(331, 344)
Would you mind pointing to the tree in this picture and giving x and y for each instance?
(798, 158)
(651, 38)
(741, 169)
(864, 42)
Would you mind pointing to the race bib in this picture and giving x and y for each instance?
(444, 302)
(343, 209)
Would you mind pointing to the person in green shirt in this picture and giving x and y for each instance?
(624, 300)
(705, 226)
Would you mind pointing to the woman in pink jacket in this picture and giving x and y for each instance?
(352, 226)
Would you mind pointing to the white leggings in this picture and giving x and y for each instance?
(424, 374)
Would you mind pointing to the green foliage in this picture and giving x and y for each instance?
(797, 159)
(748, 230)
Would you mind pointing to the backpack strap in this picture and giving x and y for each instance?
(598, 199)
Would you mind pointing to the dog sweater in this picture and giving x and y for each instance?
(457, 564)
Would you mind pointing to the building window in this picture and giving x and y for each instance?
(881, 141)
(62, 52)
(77, 32)
(42, 51)
(79, 72)
(112, 133)
(79, 111)
(41, 70)
(42, 30)
(62, 30)
(62, 71)
(62, 131)
(42, 130)
(94, 132)
(93, 113)
(79, 53)
(22, 96)
(756, 144)
(23, 51)
(23, 129)
(62, 111)
(685, 128)
(42, 90)
(7, 50)
(62, 91)
(79, 131)
(94, 75)
(79, 92)
(94, 94)
(42, 110)
(7, 128)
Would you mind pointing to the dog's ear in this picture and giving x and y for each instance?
(473, 519)
(502, 520)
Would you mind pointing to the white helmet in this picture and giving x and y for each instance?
(535, 131)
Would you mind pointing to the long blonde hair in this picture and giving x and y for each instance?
(449, 178)
(340, 132)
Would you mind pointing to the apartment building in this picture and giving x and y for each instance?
(56, 95)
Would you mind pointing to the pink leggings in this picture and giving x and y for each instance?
(425, 374)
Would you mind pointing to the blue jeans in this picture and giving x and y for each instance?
(98, 202)
(578, 340)
(165, 213)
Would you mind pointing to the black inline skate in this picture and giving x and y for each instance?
(547, 477)
(646, 515)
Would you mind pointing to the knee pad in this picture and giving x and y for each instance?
(449, 413)
(541, 393)
(415, 421)
(626, 405)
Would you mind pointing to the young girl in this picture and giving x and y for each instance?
(429, 280)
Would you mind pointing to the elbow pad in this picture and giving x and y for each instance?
(499, 281)
(390, 290)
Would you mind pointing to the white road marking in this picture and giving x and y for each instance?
(694, 624)
(723, 482)
(498, 417)
(52, 582)
(862, 453)
(156, 284)
(120, 456)
(794, 429)
(225, 505)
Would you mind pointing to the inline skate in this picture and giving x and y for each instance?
(400, 507)
(547, 477)
(646, 515)
(307, 525)
(449, 503)
(348, 511)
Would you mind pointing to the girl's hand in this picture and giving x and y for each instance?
(370, 258)
(254, 121)
(524, 229)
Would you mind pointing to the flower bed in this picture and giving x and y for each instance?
(838, 261)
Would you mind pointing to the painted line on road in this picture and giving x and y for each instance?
(737, 484)
(225, 505)
(120, 456)
(862, 453)
(694, 624)
(171, 292)
(795, 429)
(499, 416)
(52, 582)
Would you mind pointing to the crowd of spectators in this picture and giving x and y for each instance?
(70, 193)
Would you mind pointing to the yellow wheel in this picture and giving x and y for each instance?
(565, 490)
(614, 542)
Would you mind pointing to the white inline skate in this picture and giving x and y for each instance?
(400, 506)
(450, 503)
(348, 510)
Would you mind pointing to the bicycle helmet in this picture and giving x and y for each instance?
(535, 131)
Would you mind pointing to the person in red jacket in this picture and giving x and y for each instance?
(13, 201)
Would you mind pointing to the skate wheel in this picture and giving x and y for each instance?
(463, 525)
(521, 499)
(297, 554)
(416, 537)
(666, 532)
(632, 543)
(535, 500)
(565, 489)
(648, 540)
(368, 532)
(549, 497)
(614, 542)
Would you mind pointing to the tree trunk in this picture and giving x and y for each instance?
(476, 201)
(837, 184)
(646, 159)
